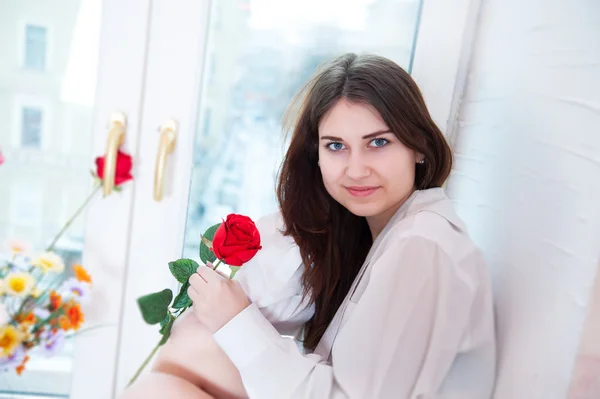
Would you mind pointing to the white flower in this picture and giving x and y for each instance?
(19, 284)
(76, 289)
(4, 317)
(16, 246)
(41, 313)
(49, 262)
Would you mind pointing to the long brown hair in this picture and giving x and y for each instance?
(333, 242)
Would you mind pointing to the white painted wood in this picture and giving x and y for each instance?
(173, 76)
(442, 54)
(107, 233)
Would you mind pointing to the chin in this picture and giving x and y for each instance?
(364, 210)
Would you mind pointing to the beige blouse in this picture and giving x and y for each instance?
(417, 323)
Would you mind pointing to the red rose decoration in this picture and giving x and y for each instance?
(123, 172)
(237, 240)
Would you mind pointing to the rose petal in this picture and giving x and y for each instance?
(123, 168)
(219, 239)
(230, 250)
(246, 255)
(237, 240)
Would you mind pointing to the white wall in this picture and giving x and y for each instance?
(586, 377)
(527, 181)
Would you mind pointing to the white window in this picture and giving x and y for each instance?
(31, 127)
(32, 120)
(36, 47)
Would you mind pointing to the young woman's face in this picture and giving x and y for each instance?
(364, 166)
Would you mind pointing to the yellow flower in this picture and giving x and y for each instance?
(19, 284)
(49, 262)
(10, 338)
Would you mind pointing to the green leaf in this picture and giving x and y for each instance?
(166, 329)
(206, 255)
(154, 307)
(182, 300)
(182, 269)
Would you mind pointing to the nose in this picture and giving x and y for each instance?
(357, 167)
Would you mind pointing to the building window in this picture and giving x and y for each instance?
(31, 127)
(36, 43)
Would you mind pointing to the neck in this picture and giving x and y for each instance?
(378, 222)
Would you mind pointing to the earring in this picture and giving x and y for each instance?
(422, 161)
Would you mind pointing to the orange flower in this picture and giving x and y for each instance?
(63, 322)
(81, 274)
(75, 315)
(21, 367)
(26, 318)
(55, 300)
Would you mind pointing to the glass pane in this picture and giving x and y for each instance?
(35, 47)
(259, 54)
(48, 63)
(31, 127)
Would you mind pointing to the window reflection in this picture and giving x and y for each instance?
(259, 54)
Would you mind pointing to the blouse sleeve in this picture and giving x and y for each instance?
(398, 327)
(272, 279)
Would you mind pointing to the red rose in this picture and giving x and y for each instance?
(123, 172)
(237, 240)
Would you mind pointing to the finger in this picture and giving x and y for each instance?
(222, 274)
(219, 272)
(197, 281)
(208, 274)
(193, 294)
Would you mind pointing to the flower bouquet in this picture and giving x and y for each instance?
(40, 298)
(233, 243)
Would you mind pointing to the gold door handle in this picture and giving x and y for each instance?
(116, 136)
(168, 132)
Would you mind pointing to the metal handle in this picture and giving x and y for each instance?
(168, 132)
(116, 136)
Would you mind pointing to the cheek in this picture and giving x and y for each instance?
(398, 167)
(330, 172)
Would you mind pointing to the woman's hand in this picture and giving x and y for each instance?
(216, 299)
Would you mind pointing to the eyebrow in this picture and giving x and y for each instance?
(368, 136)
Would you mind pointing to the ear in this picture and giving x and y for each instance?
(419, 158)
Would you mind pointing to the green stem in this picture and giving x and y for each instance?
(146, 361)
(217, 264)
(151, 355)
(70, 221)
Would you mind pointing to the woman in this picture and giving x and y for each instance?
(366, 264)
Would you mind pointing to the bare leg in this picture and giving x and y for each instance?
(155, 385)
(191, 355)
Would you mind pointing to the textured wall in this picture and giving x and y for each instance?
(527, 182)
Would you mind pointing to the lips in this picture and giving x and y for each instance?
(362, 191)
